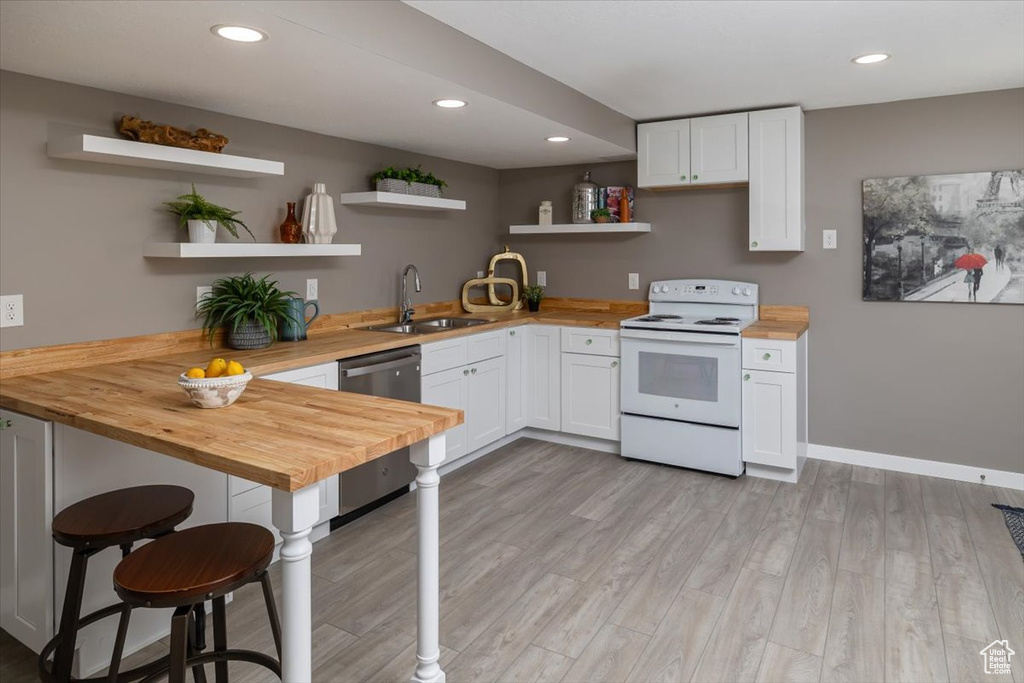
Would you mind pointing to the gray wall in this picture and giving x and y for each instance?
(935, 381)
(72, 232)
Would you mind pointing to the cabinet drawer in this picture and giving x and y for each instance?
(769, 354)
(590, 341)
(485, 345)
(443, 355)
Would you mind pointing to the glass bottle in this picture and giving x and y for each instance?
(545, 213)
(584, 200)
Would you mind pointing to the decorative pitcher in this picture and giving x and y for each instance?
(318, 224)
(295, 324)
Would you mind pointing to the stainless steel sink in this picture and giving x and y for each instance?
(428, 326)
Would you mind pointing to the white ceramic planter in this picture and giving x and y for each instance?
(202, 232)
(318, 223)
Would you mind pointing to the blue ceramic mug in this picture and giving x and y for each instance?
(293, 327)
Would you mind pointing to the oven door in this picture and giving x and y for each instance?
(685, 376)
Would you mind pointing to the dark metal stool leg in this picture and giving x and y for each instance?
(220, 638)
(275, 623)
(122, 634)
(179, 644)
(198, 672)
(65, 655)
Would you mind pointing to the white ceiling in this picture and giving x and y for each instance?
(312, 74)
(654, 59)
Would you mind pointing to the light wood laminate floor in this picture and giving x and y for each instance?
(563, 564)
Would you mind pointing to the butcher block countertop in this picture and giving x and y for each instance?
(785, 323)
(284, 435)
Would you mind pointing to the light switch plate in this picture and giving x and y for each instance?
(634, 280)
(201, 291)
(12, 310)
(828, 239)
(542, 278)
(312, 289)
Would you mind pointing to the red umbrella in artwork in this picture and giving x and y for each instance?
(970, 261)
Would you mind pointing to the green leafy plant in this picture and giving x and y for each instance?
(533, 293)
(235, 300)
(194, 207)
(600, 213)
(409, 175)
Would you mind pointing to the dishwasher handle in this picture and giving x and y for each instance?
(380, 367)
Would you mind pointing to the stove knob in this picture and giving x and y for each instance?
(664, 288)
(746, 291)
(736, 291)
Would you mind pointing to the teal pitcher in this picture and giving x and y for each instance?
(293, 327)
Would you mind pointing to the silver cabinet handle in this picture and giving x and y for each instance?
(767, 356)
(682, 177)
(746, 378)
(589, 342)
(512, 333)
(694, 176)
(5, 424)
(754, 245)
(465, 372)
(615, 363)
(473, 370)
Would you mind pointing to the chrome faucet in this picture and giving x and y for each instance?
(405, 310)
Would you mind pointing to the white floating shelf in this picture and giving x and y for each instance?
(86, 147)
(244, 250)
(591, 228)
(401, 201)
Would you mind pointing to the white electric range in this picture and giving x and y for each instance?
(681, 374)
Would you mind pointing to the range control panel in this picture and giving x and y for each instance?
(709, 291)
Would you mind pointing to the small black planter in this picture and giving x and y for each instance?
(534, 306)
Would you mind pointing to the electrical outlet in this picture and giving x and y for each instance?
(634, 280)
(828, 239)
(202, 291)
(542, 278)
(312, 288)
(479, 273)
(12, 311)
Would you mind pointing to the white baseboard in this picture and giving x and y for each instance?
(930, 468)
(594, 444)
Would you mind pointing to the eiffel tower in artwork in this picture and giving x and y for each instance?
(997, 200)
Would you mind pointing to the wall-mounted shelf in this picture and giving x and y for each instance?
(591, 228)
(401, 201)
(86, 147)
(244, 250)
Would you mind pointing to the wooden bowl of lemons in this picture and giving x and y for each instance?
(217, 386)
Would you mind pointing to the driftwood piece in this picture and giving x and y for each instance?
(203, 140)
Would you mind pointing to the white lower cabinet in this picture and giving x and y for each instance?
(515, 380)
(774, 426)
(485, 403)
(543, 377)
(590, 395)
(448, 390)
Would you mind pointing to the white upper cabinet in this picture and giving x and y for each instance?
(777, 180)
(718, 149)
(663, 151)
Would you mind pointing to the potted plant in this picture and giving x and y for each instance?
(202, 217)
(249, 309)
(408, 181)
(601, 215)
(533, 294)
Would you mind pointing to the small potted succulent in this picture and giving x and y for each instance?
(601, 215)
(202, 217)
(408, 181)
(533, 294)
(250, 310)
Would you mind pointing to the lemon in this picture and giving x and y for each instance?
(234, 368)
(216, 367)
(195, 373)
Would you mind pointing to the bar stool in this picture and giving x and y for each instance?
(193, 565)
(115, 519)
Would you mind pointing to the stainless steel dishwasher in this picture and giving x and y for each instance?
(389, 374)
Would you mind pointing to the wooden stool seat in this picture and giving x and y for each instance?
(193, 565)
(123, 516)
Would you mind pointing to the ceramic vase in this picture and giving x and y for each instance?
(249, 335)
(202, 232)
(291, 229)
(318, 224)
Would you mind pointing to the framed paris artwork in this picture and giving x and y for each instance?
(948, 238)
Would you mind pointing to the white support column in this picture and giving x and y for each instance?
(294, 514)
(427, 455)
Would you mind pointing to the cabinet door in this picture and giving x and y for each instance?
(26, 508)
(543, 377)
(515, 380)
(323, 376)
(590, 395)
(777, 180)
(663, 153)
(485, 403)
(718, 149)
(769, 418)
(448, 390)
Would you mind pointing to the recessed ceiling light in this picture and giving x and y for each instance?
(239, 34)
(557, 138)
(873, 58)
(450, 104)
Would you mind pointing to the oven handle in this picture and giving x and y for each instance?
(710, 339)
